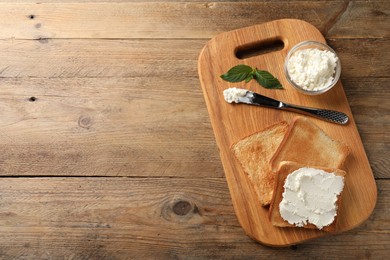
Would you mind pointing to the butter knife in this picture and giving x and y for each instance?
(253, 98)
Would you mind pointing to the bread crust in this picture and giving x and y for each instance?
(285, 168)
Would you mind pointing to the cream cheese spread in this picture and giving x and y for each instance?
(310, 196)
(233, 94)
(312, 69)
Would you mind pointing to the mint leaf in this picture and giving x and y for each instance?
(244, 72)
(238, 73)
(266, 79)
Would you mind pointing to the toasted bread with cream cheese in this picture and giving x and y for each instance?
(285, 168)
(254, 154)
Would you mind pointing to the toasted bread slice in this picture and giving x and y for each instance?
(254, 153)
(284, 170)
(308, 144)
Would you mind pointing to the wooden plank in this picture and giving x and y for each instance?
(106, 127)
(335, 18)
(117, 218)
(363, 57)
(74, 123)
(152, 20)
(120, 1)
(130, 1)
(99, 58)
(66, 58)
(363, 19)
(366, 98)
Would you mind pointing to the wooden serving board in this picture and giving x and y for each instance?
(232, 122)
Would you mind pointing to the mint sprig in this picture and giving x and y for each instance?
(244, 72)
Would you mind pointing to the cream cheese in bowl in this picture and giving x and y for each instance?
(312, 67)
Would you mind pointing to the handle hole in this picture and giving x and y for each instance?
(259, 48)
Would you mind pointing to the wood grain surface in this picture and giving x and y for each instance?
(94, 156)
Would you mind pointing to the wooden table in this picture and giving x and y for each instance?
(107, 151)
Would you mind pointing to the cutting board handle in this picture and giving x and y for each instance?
(259, 47)
(266, 38)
